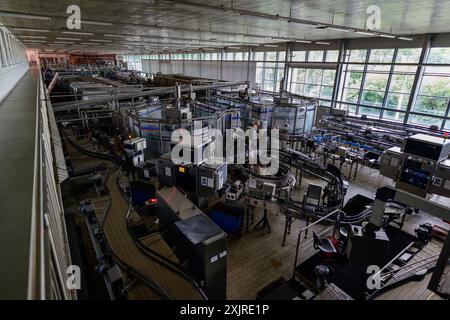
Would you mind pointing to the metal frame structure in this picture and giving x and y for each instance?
(49, 248)
(343, 47)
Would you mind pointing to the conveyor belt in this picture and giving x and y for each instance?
(320, 211)
(130, 253)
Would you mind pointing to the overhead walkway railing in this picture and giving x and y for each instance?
(49, 249)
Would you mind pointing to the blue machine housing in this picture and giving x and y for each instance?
(228, 217)
(141, 192)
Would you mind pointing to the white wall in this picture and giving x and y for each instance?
(13, 62)
(9, 76)
(220, 70)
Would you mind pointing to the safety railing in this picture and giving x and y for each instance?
(49, 249)
(305, 229)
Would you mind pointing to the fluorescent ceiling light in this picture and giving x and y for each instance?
(303, 41)
(208, 49)
(324, 43)
(34, 37)
(99, 40)
(252, 44)
(339, 29)
(366, 33)
(97, 23)
(24, 16)
(70, 39)
(78, 33)
(280, 39)
(63, 42)
(35, 41)
(234, 47)
(270, 45)
(199, 8)
(91, 43)
(32, 30)
(116, 35)
(405, 38)
(386, 35)
(56, 44)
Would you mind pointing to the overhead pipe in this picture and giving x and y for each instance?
(86, 103)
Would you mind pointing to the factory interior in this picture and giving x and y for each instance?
(224, 150)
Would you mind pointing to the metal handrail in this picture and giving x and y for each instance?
(35, 274)
(421, 263)
(305, 228)
(48, 247)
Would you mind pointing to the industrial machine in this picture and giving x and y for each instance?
(212, 178)
(194, 170)
(294, 119)
(198, 240)
(135, 150)
(204, 180)
(420, 166)
(420, 169)
(262, 115)
(165, 170)
(175, 113)
(234, 192)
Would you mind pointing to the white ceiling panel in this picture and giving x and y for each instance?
(174, 24)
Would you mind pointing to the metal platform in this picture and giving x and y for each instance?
(17, 143)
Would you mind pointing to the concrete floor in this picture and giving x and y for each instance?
(17, 140)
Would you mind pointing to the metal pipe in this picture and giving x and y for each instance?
(86, 103)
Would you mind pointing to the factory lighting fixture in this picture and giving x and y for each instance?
(116, 35)
(35, 41)
(405, 38)
(97, 23)
(338, 29)
(303, 41)
(63, 42)
(234, 48)
(279, 39)
(270, 45)
(34, 37)
(99, 40)
(31, 30)
(24, 16)
(78, 33)
(191, 7)
(390, 36)
(323, 43)
(366, 33)
(69, 39)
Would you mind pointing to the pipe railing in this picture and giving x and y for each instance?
(49, 252)
(305, 229)
(35, 274)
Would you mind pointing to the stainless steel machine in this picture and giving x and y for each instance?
(198, 240)
(135, 150)
(420, 166)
